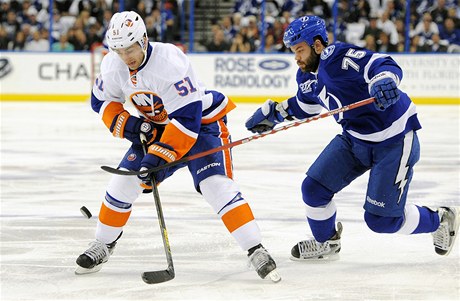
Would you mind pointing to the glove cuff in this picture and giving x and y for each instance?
(163, 151)
(283, 110)
(119, 123)
(382, 75)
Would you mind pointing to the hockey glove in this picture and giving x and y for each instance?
(384, 88)
(130, 127)
(158, 154)
(267, 116)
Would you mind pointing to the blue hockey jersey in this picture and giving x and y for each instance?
(342, 78)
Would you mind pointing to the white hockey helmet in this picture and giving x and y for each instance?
(125, 29)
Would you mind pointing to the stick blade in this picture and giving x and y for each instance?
(154, 277)
(117, 171)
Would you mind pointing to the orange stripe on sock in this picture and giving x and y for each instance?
(113, 218)
(237, 217)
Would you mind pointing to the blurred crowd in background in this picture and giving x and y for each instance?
(380, 25)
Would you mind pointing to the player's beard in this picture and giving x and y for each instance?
(311, 64)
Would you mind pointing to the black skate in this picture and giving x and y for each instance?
(263, 263)
(92, 259)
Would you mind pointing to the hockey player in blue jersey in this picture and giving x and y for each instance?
(379, 137)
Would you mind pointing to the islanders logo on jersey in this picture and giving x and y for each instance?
(150, 105)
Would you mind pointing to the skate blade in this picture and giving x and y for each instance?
(82, 271)
(274, 276)
(332, 257)
(456, 211)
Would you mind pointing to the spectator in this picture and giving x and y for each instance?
(87, 5)
(370, 42)
(11, 25)
(78, 39)
(294, 7)
(240, 43)
(317, 7)
(273, 8)
(3, 38)
(388, 27)
(92, 35)
(246, 7)
(359, 12)
(384, 45)
(439, 12)
(154, 26)
(63, 5)
(253, 32)
(236, 18)
(395, 10)
(435, 44)
(32, 21)
(5, 7)
(377, 6)
(450, 35)
(141, 9)
(167, 34)
(425, 29)
(270, 46)
(19, 42)
(227, 27)
(372, 28)
(218, 43)
(400, 28)
(452, 13)
(62, 45)
(37, 43)
(415, 45)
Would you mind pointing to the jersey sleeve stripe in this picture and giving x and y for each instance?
(396, 128)
(373, 58)
(180, 138)
(311, 109)
(109, 110)
(226, 106)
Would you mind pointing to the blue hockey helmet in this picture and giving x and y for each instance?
(305, 29)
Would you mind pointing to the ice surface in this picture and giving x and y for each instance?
(50, 158)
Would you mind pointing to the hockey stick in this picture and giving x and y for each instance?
(152, 277)
(241, 141)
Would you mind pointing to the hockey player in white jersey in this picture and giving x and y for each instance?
(380, 138)
(179, 117)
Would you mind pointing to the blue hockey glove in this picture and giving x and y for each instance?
(158, 154)
(130, 127)
(267, 116)
(384, 88)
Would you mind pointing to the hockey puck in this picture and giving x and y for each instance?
(86, 213)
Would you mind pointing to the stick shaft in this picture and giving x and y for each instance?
(244, 140)
(149, 277)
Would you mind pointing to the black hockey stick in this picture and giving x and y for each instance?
(152, 277)
(241, 141)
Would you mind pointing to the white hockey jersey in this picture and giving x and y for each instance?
(164, 89)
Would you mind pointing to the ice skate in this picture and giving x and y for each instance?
(311, 249)
(264, 264)
(92, 259)
(444, 236)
